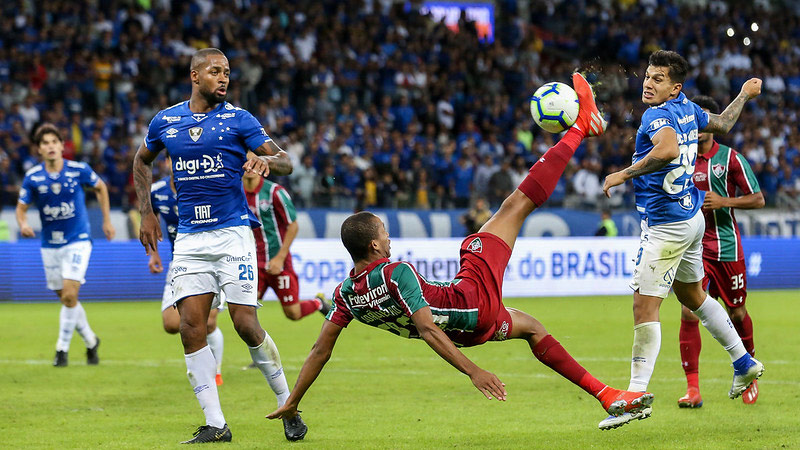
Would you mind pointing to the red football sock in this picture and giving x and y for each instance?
(689, 337)
(308, 307)
(745, 330)
(544, 175)
(550, 352)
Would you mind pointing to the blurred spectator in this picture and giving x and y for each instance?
(476, 216)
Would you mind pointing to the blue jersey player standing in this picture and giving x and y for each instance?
(165, 205)
(671, 250)
(56, 187)
(208, 140)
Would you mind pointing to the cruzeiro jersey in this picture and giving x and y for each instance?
(208, 151)
(723, 170)
(385, 295)
(165, 204)
(276, 211)
(61, 201)
(669, 195)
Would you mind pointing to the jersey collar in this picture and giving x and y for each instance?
(367, 269)
(710, 154)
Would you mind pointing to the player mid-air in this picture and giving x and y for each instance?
(721, 172)
(468, 310)
(56, 187)
(208, 140)
(671, 252)
(165, 205)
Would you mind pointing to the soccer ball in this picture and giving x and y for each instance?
(554, 107)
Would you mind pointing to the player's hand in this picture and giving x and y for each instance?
(489, 384)
(154, 264)
(257, 166)
(108, 230)
(614, 179)
(27, 231)
(150, 233)
(275, 266)
(752, 88)
(713, 201)
(286, 411)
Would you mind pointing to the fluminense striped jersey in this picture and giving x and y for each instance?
(276, 211)
(385, 295)
(723, 170)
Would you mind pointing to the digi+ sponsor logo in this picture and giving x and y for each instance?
(208, 164)
(59, 212)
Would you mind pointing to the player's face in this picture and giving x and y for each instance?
(658, 87)
(51, 148)
(383, 241)
(212, 78)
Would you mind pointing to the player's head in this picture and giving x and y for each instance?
(664, 77)
(365, 237)
(50, 143)
(210, 74)
(709, 105)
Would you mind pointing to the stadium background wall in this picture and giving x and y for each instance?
(538, 267)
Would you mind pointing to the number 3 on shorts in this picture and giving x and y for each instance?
(246, 272)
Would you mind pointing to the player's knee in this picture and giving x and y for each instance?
(211, 326)
(686, 314)
(737, 314)
(172, 328)
(292, 313)
(69, 298)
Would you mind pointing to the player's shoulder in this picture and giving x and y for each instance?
(400, 268)
(34, 170)
(170, 114)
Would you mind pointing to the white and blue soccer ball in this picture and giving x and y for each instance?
(554, 107)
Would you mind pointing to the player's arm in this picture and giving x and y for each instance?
(749, 201)
(269, 159)
(22, 220)
(485, 381)
(276, 263)
(150, 229)
(665, 149)
(320, 354)
(722, 123)
(101, 191)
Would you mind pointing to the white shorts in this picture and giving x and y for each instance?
(68, 262)
(167, 300)
(222, 260)
(669, 252)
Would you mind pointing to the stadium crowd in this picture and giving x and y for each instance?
(380, 106)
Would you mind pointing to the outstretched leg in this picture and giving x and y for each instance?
(552, 354)
(690, 345)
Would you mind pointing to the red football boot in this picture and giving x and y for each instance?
(750, 395)
(589, 120)
(692, 399)
(617, 402)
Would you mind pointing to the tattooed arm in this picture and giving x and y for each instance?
(665, 149)
(270, 159)
(150, 228)
(722, 123)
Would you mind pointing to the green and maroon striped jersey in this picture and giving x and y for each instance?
(276, 211)
(385, 295)
(724, 171)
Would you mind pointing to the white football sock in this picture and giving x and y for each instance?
(267, 359)
(67, 320)
(217, 343)
(646, 345)
(200, 368)
(713, 316)
(83, 328)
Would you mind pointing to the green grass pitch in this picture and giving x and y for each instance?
(382, 391)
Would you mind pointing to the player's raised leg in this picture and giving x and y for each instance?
(265, 356)
(542, 178)
(201, 366)
(552, 354)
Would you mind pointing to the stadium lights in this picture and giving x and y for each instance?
(754, 26)
(746, 41)
(730, 32)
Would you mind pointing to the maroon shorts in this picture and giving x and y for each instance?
(726, 280)
(285, 285)
(484, 258)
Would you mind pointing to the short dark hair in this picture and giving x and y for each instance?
(677, 65)
(200, 56)
(46, 128)
(706, 102)
(358, 231)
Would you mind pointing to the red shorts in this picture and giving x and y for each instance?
(285, 285)
(484, 258)
(726, 280)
